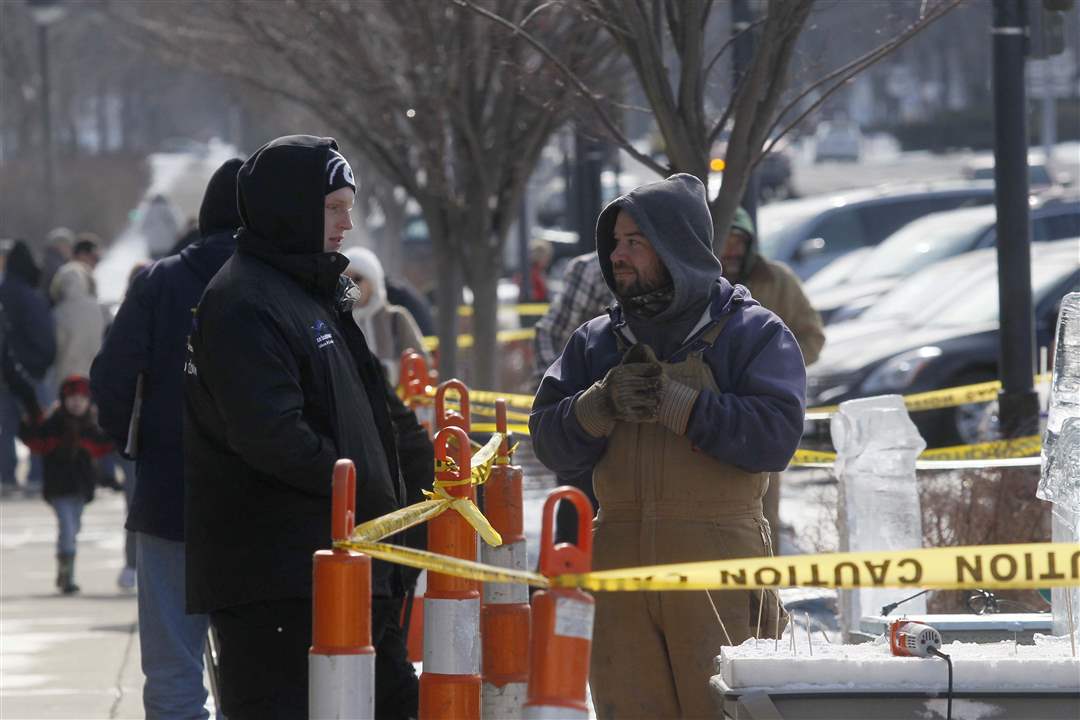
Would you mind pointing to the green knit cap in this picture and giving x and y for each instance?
(743, 223)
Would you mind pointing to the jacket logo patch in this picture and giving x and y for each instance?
(321, 332)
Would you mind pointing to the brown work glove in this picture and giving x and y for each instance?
(630, 392)
(673, 399)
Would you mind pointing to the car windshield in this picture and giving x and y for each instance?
(980, 303)
(960, 293)
(920, 243)
(779, 221)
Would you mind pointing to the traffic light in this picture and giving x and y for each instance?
(1046, 29)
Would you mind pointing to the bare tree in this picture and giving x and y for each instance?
(453, 113)
(650, 33)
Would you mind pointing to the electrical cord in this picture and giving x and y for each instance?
(886, 609)
(948, 660)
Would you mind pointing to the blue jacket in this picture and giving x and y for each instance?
(149, 336)
(754, 422)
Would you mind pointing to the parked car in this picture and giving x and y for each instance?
(808, 234)
(837, 141)
(1040, 175)
(921, 243)
(938, 330)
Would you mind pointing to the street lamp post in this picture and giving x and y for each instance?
(45, 13)
(1018, 403)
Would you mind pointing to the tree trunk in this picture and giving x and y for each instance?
(485, 350)
(447, 291)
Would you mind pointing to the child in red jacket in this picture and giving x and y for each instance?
(70, 442)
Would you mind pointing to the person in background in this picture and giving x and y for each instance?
(29, 350)
(58, 244)
(389, 329)
(87, 250)
(80, 322)
(777, 288)
(400, 292)
(148, 340)
(540, 254)
(70, 442)
(159, 226)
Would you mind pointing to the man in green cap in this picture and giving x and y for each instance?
(778, 289)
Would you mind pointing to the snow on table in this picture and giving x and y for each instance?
(1046, 666)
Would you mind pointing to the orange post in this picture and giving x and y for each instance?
(445, 417)
(450, 682)
(505, 615)
(341, 661)
(414, 381)
(562, 619)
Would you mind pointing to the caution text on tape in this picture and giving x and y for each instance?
(1030, 565)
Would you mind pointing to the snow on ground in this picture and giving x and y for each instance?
(869, 667)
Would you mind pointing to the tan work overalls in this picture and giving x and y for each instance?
(664, 501)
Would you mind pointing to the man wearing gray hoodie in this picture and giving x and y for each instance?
(679, 402)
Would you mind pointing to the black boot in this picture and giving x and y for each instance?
(65, 578)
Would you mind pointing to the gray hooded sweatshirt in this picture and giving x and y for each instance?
(674, 215)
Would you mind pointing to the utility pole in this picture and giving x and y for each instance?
(742, 56)
(587, 194)
(1018, 402)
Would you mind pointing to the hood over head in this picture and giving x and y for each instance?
(218, 211)
(20, 264)
(281, 196)
(366, 264)
(674, 215)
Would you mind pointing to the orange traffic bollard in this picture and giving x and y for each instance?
(414, 381)
(445, 417)
(505, 614)
(341, 661)
(450, 682)
(562, 619)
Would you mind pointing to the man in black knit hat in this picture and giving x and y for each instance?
(280, 384)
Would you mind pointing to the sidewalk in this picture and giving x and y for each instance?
(74, 656)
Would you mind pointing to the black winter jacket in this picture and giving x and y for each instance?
(149, 338)
(279, 387)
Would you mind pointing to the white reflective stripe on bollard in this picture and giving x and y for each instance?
(341, 687)
(512, 557)
(452, 636)
(554, 712)
(501, 703)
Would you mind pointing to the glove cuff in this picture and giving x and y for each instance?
(592, 412)
(675, 406)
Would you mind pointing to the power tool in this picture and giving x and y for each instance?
(912, 639)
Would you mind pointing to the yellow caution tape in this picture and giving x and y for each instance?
(994, 450)
(431, 342)
(1029, 565)
(947, 397)
(511, 427)
(395, 522)
(482, 461)
(522, 309)
(812, 457)
(457, 567)
(998, 449)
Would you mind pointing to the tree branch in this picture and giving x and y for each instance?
(583, 90)
(850, 70)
